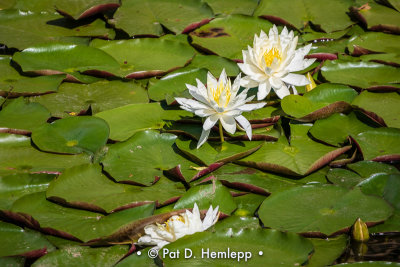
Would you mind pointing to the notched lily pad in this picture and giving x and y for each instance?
(300, 157)
(72, 135)
(319, 103)
(327, 210)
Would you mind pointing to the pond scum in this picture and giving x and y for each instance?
(199, 133)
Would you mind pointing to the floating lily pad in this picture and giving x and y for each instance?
(73, 223)
(73, 98)
(378, 17)
(16, 152)
(215, 64)
(18, 241)
(330, 16)
(138, 260)
(63, 58)
(151, 16)
(369, 264)
(72, 135)
(326, 251)
(319, 103)
(381, 144)
(335, 129)
(326, 210)
(86, 187)
(76, 9)
(361, 74)
(301, 157)
(83, 256)
(205, 195)
(212, 152)
(146, 57)
(127, 120)
(23, 116)
(392, 59)
(248, 204)
(20, 29)
(142, 158)
(173, 84)
(253, 180)
(14, 186)
(374, 42)
(390, 225)
(228, 36)
(238, 233)
(245, 7)
(384, 105)
(12, 261)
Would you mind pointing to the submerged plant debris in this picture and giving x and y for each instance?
(94, 146)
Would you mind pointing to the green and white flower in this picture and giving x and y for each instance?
(178, 226)
(220, 100)
(271, 61)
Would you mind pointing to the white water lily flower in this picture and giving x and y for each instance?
(271, 61)
(178, 226)
(219, 101)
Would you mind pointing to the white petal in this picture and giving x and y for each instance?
(190, 103)
(296, 79)
(247, 82)
(276, 83)
(245, 125)
(228, 123)
(204, 112)
(210, 122)
(250, 107)
(263, 90)
(282, 92)
(203, 137)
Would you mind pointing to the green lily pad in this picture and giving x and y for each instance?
(215, 64)
(228, 36)
(319, 103)
(174, 84)
(335, 129)
(73, 98)
(13, 84)
(21, 29)
(76, 9)
(146, 57)
(326, 210)
(330, 16)
(390, 225)
(72, 135)
(73, 223)
(326, 251)
(18, 241)
(138, 260)
(141, 158)
(204, 195)
(378, 17)
(86, 187)
(384, 105)
(14, 186)
(65, 58)
(361, 74)
(12, 261)
(16, 152)
(212, 152)
(151, 16)
(301, 157)
(248, 204)
(392, 59)
(267, 247)
(83, 256)
(127, 120)
(23, 116)
(369, 264)
(244, 7)
(253, 180)
(374, 42)
(381, 144)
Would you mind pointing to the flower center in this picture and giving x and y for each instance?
(270, 55)
(222, 92)
(170, 220)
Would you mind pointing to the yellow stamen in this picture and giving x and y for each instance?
(221, 88)
(270, 55)
(179, 218)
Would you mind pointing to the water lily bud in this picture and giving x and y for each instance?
(360, 231)
(312, 84)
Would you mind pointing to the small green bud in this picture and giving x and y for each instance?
(360, 231)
